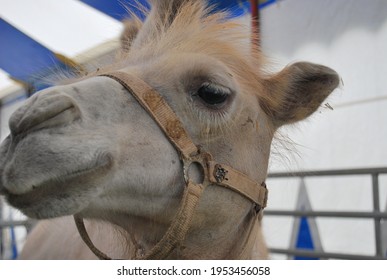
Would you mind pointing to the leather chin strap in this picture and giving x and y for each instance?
(214, 174)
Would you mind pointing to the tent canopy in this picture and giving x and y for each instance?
(41, 36)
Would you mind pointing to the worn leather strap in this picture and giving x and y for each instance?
(177, 231)
(175, 234)
(156, 106)
(86, 238)
(230, 178)
(215, 173)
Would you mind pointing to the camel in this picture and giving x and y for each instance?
(90, 149)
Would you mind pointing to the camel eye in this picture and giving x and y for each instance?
(213, 95)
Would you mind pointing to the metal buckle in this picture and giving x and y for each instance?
(200, 160)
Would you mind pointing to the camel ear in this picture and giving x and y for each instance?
(131, 28)
(297, 91)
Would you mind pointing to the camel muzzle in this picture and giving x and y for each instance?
(45, 110)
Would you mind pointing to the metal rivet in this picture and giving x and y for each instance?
(220, 173)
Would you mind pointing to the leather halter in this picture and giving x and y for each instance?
(214, 173)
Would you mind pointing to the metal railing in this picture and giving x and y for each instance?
(28, 224)
(5, 242)
(375, 214)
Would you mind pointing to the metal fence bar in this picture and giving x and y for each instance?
(377, 221)
(323, 255)
(376, 214)
(332, 214)
(4, 224)
(337, 172)
(28, 224)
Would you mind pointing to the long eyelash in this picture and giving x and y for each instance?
(216, 87)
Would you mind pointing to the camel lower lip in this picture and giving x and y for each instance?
(49, 186)
(59, 186)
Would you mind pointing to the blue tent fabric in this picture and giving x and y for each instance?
(117, 10)
(26, 60)
(304, 239)
(22, 57)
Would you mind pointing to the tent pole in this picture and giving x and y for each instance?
(255, 25)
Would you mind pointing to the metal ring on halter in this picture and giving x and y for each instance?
(201, 160)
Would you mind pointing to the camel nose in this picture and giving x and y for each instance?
(43, 111)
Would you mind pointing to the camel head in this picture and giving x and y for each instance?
(89, 148)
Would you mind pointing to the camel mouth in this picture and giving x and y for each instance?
(59, 190)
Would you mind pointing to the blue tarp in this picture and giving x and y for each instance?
(22, 57)
(117, 10)
(26, 60)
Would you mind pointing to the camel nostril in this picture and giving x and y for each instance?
(45, 112)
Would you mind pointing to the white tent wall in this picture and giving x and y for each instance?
(351, 37)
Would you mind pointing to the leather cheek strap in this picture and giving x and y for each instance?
(228, 177)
